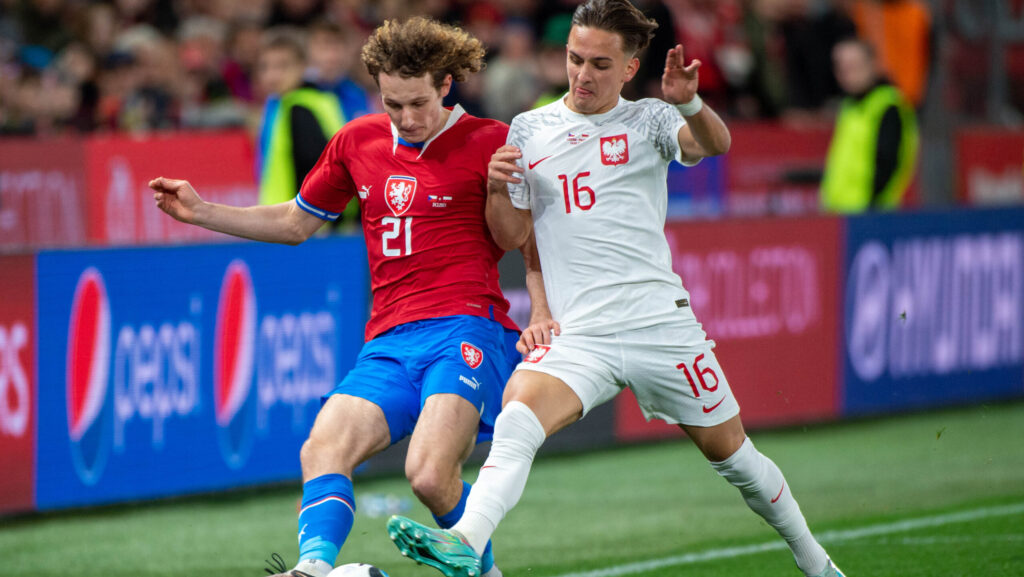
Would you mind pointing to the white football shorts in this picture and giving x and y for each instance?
(670, 367)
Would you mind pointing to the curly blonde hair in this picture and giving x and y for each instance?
(419, 46)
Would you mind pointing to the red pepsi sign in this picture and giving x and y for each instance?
(175, 377)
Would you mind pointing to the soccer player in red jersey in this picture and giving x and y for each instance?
(440, 344)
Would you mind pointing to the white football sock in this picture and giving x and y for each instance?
(766, 492)
(518, 435)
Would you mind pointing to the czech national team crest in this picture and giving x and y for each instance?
(614, 150)
(398, 193)
(472, 355)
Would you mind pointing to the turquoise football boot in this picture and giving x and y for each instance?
(831, 570)
(443, 550)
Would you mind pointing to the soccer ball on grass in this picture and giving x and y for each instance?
(357, 570)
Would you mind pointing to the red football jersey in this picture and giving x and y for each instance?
(430, 251)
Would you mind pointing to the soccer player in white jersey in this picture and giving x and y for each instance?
(592, 189)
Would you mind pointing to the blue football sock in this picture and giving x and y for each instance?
(328, 511)
(452, 517)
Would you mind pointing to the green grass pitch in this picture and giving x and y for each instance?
(930, 494)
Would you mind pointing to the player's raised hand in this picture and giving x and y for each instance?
(502, 169)
(679, 82)
(538, 333)
(176, 197)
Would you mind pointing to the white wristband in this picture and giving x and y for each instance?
(692, 107)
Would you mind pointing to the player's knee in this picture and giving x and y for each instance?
(321, 456)
(429, 482)
(743, 468)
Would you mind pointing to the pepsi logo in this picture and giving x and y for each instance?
(87, 369)
(234, 349)
(472, 355)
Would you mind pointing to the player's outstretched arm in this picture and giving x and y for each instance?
(704, 133)
(284, 223)
(542, 326)
(510, 227)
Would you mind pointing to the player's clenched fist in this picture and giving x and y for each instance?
(502, 169)
(176, 197)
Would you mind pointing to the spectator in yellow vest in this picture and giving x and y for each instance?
(298, 118)
(874, 147)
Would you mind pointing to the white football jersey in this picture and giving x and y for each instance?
(596, 186)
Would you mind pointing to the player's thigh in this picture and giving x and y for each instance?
(466, 357)
(348, 430)
(444, 436)
(561, 382)
(380, 377)
(554, 403)
(676, 378)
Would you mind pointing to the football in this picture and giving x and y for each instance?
(357, 570)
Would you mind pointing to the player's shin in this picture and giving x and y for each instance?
(766, 492)
(518, 434)
(449, 519)
(328, 511)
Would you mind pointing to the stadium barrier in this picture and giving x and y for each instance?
(74, 192)
(178, 370)
(138, 373)
(990, 167)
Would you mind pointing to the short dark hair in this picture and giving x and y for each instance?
(620, 17)
(420, 46)
(285, 38)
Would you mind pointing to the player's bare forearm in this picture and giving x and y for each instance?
(509, 226)
(542, 326)
(283, 223)
(539, 310)
(705, 134)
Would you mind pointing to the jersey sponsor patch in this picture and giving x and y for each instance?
(399, 192)
(577, 138)
(537, 353)
(472, 355)
(614, 150)
(438, 201)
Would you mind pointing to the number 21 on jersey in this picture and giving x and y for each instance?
(396, 238)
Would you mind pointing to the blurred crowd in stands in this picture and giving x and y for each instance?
(81, 66)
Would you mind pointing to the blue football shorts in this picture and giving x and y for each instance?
(466, 355)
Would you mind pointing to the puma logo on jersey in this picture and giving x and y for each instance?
(364, 191)
(614, 150)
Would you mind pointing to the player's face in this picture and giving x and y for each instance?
(414, 105)
(597, 68)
